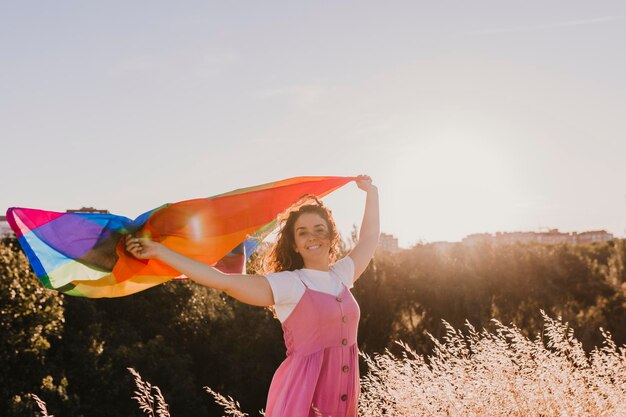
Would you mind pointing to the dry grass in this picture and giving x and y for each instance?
(499, 374)
(149, 397)
(475, 374)
(231, 407)
(43, 410)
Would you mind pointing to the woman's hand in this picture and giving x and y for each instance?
(250, 289)
(364, 182)
(142, 248)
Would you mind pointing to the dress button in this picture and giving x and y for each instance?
(344, 342)
(344, 397)
(339, 299)
(345, 369)
(344, 319)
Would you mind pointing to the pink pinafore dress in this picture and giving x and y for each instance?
(321, 371)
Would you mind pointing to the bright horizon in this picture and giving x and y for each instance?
(470, 118)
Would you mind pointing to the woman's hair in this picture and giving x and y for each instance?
(282, 255)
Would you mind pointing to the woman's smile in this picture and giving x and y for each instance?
(312, 241)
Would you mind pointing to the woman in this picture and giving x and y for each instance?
(311, 297)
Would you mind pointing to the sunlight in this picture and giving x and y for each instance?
(456, 184)
(195, 223)
(458, 160)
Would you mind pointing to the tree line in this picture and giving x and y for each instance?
(73, 352)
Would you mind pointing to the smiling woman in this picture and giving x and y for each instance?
(310, 294)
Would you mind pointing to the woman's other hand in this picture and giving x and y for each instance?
(364, 182)
(142, 248)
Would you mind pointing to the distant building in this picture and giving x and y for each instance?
(593, 236)
(388, 243)
(551, 237)
(477, 238)
(87, 210)
(443, 246)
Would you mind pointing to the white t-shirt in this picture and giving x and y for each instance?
(288, 288)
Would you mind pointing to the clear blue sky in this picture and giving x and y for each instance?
(477, 116)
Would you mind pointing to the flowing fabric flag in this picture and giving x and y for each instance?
(83, 254)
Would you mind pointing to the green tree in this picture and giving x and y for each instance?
(31, 319)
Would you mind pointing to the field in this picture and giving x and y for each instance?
(474, 373)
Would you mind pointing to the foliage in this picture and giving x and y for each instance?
(31, 319)
(407, 294)
(73, 351)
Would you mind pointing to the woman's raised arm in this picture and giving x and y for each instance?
(249, 289)
(370, 227)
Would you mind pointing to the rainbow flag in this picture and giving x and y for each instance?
(83, 254)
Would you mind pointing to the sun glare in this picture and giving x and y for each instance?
(456, 185)
(196, 227)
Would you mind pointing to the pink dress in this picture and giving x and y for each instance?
(321, 370)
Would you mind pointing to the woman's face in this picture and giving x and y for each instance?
(311, 235)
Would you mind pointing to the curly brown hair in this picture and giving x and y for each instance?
(282, 255)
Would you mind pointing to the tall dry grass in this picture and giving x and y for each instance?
(476, 373)
(43, 410)
(149, 397)
(499, 373)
